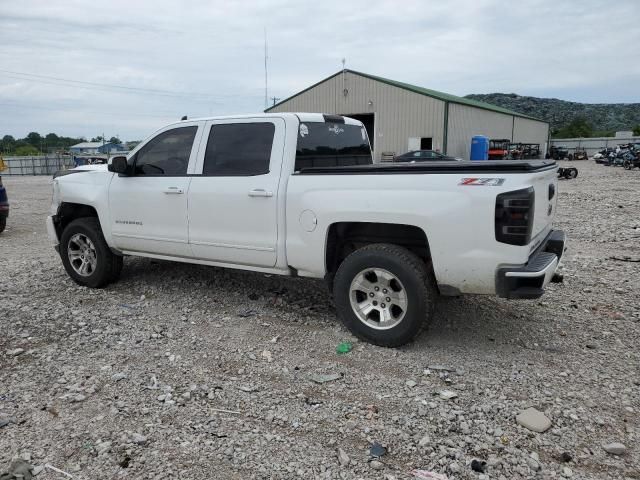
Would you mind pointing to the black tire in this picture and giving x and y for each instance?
(416, 278)
(573, 173)
(3, 223)
(108, 264)
(627, 165)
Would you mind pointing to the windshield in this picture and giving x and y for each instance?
(324, 144)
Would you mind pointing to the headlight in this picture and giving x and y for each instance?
(55, 199)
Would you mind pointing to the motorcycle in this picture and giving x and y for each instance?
(631, 160)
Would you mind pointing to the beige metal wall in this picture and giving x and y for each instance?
(531, 131)
(465, 122)
(399, 114)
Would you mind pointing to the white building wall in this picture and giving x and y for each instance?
(399, 114)
(531, 131)
(465, 122)
(595, 144)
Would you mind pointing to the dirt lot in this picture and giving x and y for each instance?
(190, 372)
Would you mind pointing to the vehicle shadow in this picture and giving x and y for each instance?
(466, 322)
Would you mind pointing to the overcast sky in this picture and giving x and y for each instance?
(201, 58)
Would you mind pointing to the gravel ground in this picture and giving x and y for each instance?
(182, 371)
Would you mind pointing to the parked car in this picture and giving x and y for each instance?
(299, 195)
(4, 207)
(424, 156)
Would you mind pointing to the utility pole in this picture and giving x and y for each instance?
(275, 100)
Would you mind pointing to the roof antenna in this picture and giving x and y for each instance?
(345, 92)
(266, 94)
(184, 117)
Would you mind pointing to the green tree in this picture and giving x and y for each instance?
(34, 139)
(578, 127)
(636, 130)
(26, 150)
(99, 138)
(52, 139)
(115, 140)
(7, 144)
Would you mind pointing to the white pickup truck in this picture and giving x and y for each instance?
(298, 195)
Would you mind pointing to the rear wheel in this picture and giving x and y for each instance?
(86, 256)
(628, 165)
(3, 223)
(384, 294)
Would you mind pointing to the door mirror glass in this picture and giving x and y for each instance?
(119, 165)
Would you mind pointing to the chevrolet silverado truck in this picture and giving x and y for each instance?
(299, 195)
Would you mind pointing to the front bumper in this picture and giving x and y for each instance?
(529, 280)
(51, 233)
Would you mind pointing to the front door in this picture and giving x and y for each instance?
(233, 197)
(149, 206)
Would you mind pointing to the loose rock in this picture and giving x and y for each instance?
(533, 420)
(615, 448)
(343, 458)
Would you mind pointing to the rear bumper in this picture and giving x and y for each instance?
(529, 280)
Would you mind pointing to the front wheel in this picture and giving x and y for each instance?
(384, 294)
(86, 256)
(3, 223)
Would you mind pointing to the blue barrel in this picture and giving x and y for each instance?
(479, 147)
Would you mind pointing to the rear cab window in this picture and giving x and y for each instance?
(239, 149)
(327, 144)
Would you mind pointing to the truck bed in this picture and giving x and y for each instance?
(499, 166)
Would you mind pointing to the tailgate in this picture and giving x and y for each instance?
(545, 185)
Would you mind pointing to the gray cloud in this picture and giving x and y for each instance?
(577, 50)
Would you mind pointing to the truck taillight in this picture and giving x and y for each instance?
(514, 216)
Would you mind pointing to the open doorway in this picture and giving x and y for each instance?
(426, 143)
(368, 120)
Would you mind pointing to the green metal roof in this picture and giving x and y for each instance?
(445, 97)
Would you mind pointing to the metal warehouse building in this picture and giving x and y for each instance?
(400, 117)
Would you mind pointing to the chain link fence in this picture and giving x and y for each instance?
(40, 165)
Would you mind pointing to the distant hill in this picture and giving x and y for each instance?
(603, 117)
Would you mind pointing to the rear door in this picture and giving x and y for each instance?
(149, 207)
(233, 198)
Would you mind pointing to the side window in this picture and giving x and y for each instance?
(167, 154)
(239, 149)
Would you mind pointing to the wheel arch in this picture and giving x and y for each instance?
(344, 238)
(68, 212)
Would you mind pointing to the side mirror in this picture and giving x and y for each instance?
(119, 165)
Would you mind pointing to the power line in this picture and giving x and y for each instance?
(106, 86)
(61, 110)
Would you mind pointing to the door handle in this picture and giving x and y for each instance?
(174, 190)
(260, 192)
